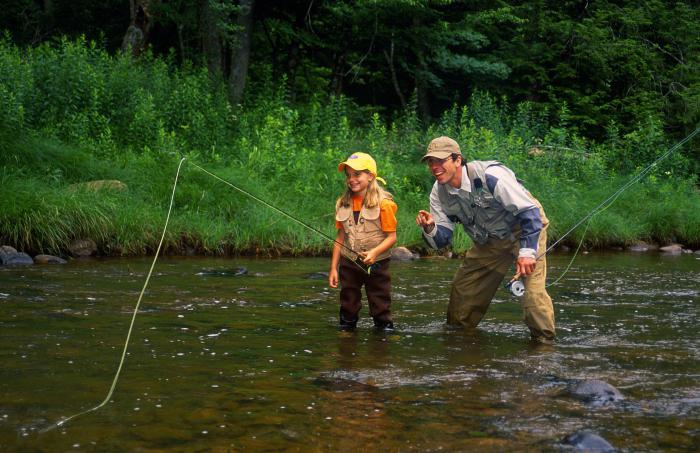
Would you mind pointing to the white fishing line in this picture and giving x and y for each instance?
(133, 317)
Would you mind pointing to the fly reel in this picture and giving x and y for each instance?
(516, 287)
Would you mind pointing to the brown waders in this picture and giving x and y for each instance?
(482, 271)
(378, 289)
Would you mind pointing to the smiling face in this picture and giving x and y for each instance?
(358, 180)
(446, 171)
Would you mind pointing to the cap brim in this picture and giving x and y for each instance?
(437, 155)
(342, 165)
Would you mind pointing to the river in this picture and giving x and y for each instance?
(244, 354)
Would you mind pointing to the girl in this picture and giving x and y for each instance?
(366, 222)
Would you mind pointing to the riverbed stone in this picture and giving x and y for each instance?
(672, 249)
(402, 254)
(588, 441)
(595, 391)
(82, 247)
(320, 275)
(9, 256)
(48, 259)
(642, 246)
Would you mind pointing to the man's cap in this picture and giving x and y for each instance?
(441, 148)
(361, 161)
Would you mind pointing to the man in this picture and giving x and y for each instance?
(506, 224)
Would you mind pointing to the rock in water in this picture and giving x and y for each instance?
(11, 257)
(595, 391)
(587, 441)
(402, 254)
(48, 259)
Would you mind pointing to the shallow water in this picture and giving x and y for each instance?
(221, 362)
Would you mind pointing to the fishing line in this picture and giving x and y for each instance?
(517, 288)
(133, 316)
(364, 267)
(150, 272)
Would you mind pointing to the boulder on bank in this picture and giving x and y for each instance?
(403, 254)
(672, 249)
(48, 259)
(9, 256)
(101, 184)
(82, 247)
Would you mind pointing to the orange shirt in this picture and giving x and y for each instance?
(387, 213)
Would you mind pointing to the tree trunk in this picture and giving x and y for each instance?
(422, 91)
(211, 38)
(136, 36)
(394, 80)
(240, 52)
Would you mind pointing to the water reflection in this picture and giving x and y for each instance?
(253, 361)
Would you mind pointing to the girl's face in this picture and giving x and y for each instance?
(358, 180)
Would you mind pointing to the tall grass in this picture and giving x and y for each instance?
(72, 113)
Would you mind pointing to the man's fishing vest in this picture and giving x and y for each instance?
(478, 211)
(363, 235)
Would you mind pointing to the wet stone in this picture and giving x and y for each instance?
(11, 257)
(672, 249)
(237, 272)
(588, 441)
(49, 259)
(402, 254)
(595, 391)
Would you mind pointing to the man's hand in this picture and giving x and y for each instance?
(333, 278)
(425, 220)
(525, 265)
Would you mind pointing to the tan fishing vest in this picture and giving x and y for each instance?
(478, 211)
(363, 235)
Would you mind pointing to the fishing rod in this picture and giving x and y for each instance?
(517, 288)
(357, 261)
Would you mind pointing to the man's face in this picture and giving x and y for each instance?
(445, 170)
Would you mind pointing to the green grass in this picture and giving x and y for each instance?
(91, 124)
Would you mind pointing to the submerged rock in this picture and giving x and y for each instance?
(223, 272)
(595, 391)
(318, 276)
(587, 441)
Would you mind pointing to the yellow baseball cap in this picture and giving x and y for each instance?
(361, 161)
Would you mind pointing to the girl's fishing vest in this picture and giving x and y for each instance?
(478, 212)
(363, 235)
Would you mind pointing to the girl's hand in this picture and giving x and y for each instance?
(333, 278)
(369, 257)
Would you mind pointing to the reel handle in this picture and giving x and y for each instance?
(515, 286)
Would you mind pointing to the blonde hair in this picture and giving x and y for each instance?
(375, 194)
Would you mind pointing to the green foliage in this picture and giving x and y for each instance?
(131, 120)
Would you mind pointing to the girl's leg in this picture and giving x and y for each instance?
(378, 288)
(351, 280)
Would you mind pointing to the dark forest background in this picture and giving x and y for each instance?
(602, 62)
(576, 96)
